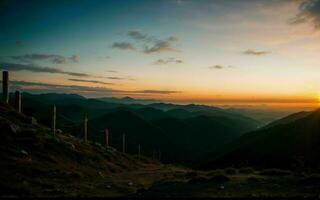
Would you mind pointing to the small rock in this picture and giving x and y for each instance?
(23, 152)
(101, 174)
(108, 186)
(14, 128)
(221, 187)
(59, 131)
(130, 183)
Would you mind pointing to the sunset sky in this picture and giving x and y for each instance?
(200, 51)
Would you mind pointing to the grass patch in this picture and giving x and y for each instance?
(275, 172)
(246, 170)
(230, 170)
(216, 178)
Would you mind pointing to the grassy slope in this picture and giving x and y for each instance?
(35, 163)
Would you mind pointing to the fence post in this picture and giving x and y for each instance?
(54, 117)
(107, 137)
(85, 129)
(17, 102)
(123, 143)
(139, 151)
(5, 86)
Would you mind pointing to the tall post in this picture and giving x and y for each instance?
(107, 137)
(153, 154)
(124, 143)
(17, 102)
(139, 151)
(85, 129)
(5, 86)
(54, 117)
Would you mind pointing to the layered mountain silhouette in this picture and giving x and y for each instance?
(293, 141)
(173, 133)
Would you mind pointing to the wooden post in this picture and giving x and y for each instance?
(54, 117)
(139, 151)
(17, 102)
(107, 137)
(5, 87)
(123, 143)
(153, 154)
(85, 129)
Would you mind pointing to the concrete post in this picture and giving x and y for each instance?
(5, 87)
(123, 143)
(85, 129)
(107, 137)
(17, 102)
(54, 117)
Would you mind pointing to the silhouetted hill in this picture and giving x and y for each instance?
(291, 142)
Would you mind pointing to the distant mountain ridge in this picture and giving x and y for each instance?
(180, 132)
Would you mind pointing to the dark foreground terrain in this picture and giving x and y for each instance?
(34, 163)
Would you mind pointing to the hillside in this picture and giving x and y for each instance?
(36, 163)
(292, 142)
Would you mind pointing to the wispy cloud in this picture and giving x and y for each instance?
(34, 68)
(90, 81)
(57, 59)
(309, 13)
(40, 87)
(220, 67)
(255, 52)
(150, 44)
(162, 46)
(123, 46)
(137, 35)
(167, 61)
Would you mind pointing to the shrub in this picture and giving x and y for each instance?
(216, 178)
(312, 179)
(219, 178)
(246, 170)
(275, 172)
(230, 170)
(191, 174)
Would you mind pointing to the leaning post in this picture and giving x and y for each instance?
(17, 102)
(5, 87)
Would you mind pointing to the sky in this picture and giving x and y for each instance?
(263, 52)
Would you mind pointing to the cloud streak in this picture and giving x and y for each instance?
(33, 68)
(220, 67)
(90, 81)
(57, 59)
(47, 87)
(168, 61)
(255, 52)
